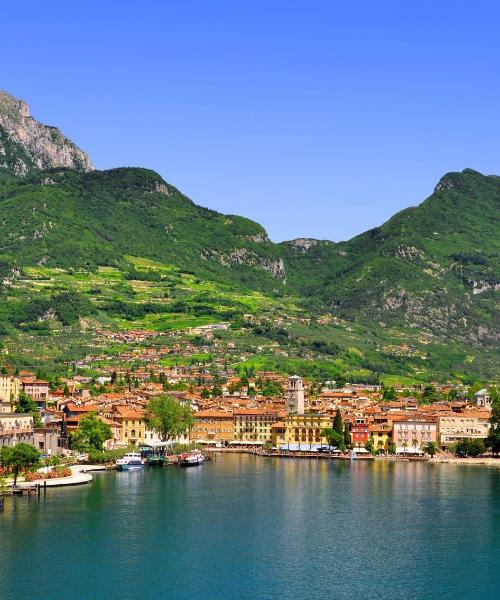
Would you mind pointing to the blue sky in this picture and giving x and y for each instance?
(315, 118)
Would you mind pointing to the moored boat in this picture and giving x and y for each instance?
(130, 462)
(193, 459)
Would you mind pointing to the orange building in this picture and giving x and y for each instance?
(212, 426)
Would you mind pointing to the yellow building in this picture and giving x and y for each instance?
(381, 435)
(254, 424)
(133, 428)
(9, 392)
(301, 429)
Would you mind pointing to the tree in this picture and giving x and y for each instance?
(340, 381)
(405, 447)
(217, 390)
(414, 443)
(431, 448)
(388, 393)
(26, 405)
(205, 393)
(114, 377)
(468, 447)
(338, 426)
(334, 438)
(20, 456)
(429, 394)
(370, 445)
(66, 390)
(347, 435)
(167, 417)
(91, 434)
(392, 448)
(271, 388)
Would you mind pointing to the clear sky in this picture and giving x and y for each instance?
(315, 118)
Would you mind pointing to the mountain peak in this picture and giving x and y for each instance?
(26, 144)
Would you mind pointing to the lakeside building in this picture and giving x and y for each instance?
(381, 434)
(454, 427)
(213, 426)
(300, 429)
(9, 392)
(412, 432)
(254, 424)
(16, 428)
(134, 431)
(359, 431)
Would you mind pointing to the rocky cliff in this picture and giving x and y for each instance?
(26, 144)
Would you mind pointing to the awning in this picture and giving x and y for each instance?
(246, 443)
(157, 444)
(300, 447)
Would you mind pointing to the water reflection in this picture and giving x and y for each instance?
(259, 528)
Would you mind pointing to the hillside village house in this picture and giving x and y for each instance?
(36, 388)
(411, 433)
(483, 399)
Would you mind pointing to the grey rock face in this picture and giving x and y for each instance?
(25, 143)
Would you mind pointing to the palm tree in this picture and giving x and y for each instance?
(414, 443)
(405, 446)
(431, 448)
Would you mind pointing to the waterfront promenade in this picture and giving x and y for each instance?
(80, 474)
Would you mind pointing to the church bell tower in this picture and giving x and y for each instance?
(295, 396)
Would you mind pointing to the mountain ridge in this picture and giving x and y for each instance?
(430, 273)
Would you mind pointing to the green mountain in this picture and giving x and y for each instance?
(435, 267)
(412, 297)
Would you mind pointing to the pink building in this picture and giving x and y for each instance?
(36, 388)
(410, 434)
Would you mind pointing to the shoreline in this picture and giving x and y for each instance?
(488, 461)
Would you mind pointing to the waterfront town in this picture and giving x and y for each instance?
(267, 411)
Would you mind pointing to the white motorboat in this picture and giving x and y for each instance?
(130, 462)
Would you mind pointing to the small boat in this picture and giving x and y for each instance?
(193, 459)
(130, 462)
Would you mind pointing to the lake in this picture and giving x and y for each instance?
(245, 527)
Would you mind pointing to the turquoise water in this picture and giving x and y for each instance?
(244, 527)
